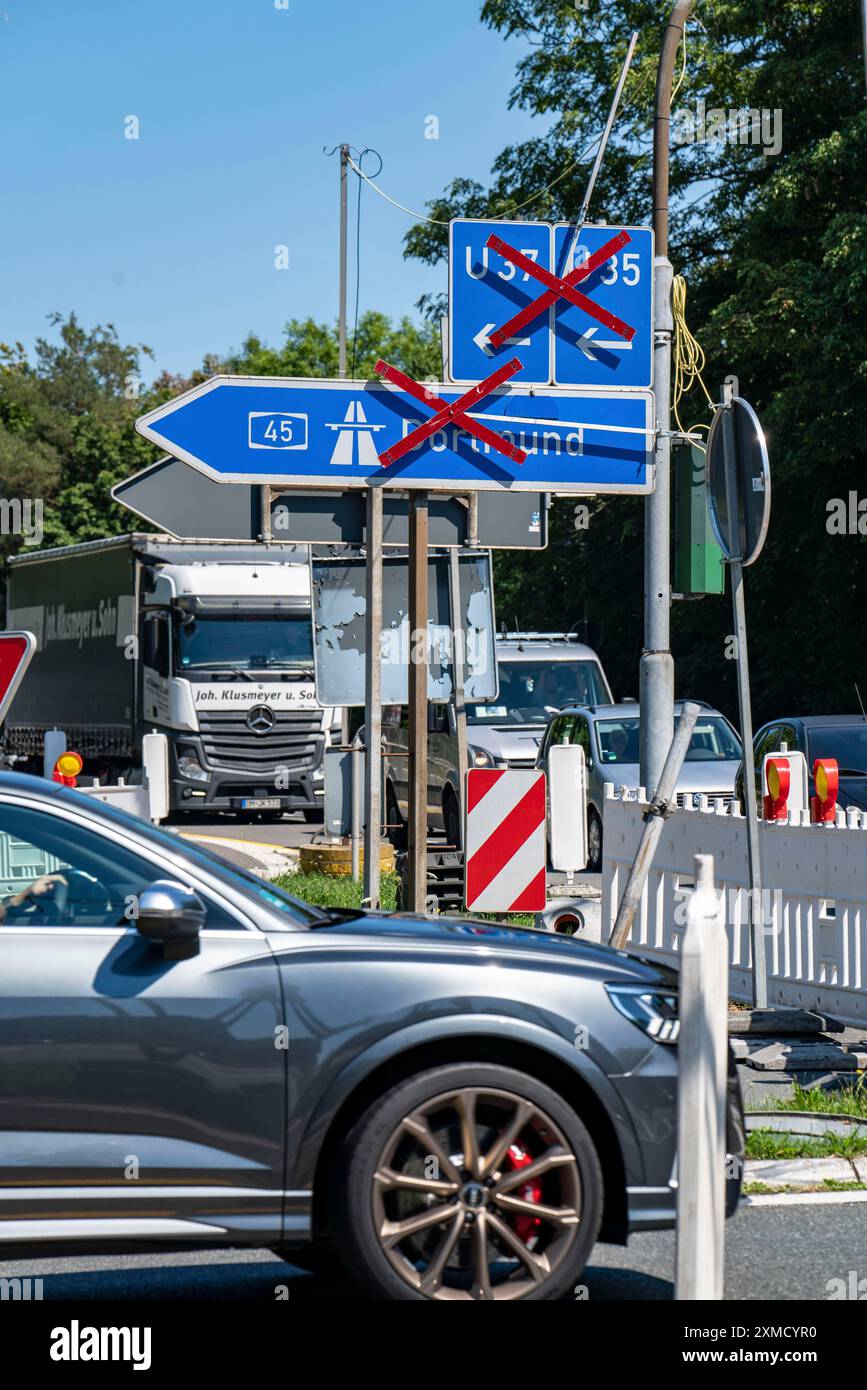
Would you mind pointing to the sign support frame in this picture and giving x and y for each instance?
(736, 570)
(373, 703)
(418, 677)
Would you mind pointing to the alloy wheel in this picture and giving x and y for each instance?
(477, 1195)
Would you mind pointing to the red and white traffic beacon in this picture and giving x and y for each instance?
(826, 778)
(784, 781)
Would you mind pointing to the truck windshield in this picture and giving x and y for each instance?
(531, 690)
(245, 641)
(713, 741)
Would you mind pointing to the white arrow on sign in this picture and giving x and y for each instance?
(615, 344)
(482, 340)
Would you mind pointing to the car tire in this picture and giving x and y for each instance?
(594, 842)
(537, 1259)
(397, 830)
(452, 819)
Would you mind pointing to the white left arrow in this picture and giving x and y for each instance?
(483, 340)
(616, 344)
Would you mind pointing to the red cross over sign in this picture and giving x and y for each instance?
(559, 287)
(454, 413)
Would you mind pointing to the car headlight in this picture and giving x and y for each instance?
(190, 767)
(480, 757)
(654, 1011)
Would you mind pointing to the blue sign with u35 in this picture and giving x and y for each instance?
(586, 353)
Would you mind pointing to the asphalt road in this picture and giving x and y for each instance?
(788, 1252)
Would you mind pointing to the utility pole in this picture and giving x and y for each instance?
(656, 672)
(341, 313)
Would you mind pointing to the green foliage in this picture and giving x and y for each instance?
(774, 250)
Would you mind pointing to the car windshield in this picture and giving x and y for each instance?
(530, 691)
(845, 742)
(712, 741)
(246, 641)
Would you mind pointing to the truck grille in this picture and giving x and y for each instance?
(294, 741)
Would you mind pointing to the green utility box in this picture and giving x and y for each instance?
(698, 567)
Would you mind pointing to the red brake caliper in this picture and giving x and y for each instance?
(525, 1226)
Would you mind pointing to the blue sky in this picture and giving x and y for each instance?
(171, 237)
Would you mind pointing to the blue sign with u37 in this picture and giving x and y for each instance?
(330, 433)
(486, 289)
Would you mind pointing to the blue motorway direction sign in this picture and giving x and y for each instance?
(564, 344)
(585, 352)
(288, 430)
(486, 289)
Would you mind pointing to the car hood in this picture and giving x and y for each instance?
(507, 742)
(499, 939)
(710, 777)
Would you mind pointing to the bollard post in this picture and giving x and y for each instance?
(702, 1044)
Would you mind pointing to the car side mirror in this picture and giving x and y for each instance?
(171, 913)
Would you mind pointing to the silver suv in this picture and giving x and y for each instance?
(609, 736)
(539, 674)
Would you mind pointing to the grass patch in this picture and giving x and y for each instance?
(767, 1143)
(849, 1102)
(763, 1189)
(324, 890)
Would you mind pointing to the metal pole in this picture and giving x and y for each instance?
(864, 36)
(458, 666)
(373, 699)
(653, 820)
(341, 332)
(656, 672)
(355, 812)
(341, 313)
(600, 153)
(702, 1044)
(736, 570)
(418, 609)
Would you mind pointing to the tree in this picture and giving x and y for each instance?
(773, 248)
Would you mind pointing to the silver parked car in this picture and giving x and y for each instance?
(539, 673)
(609, 735)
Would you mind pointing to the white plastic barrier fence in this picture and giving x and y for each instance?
(814, 880)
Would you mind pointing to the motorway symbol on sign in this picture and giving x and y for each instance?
(16, 654)
(574, 441)
(752, 484)
(506, 845)
(600, 334)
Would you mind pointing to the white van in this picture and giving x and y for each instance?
(539, 674)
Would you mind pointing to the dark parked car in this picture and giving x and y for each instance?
(840, 736)
(190, 1056)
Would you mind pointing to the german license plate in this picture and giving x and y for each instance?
(260, 803)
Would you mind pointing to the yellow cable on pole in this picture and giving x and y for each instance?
(689, 358)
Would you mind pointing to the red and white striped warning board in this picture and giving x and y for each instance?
(505, 846)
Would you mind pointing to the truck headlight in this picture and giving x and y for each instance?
(654, 1011)
(190, 767)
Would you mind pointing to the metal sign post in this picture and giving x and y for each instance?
(460, 705)
(740, 529)
(418, 656)
(373, 706)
